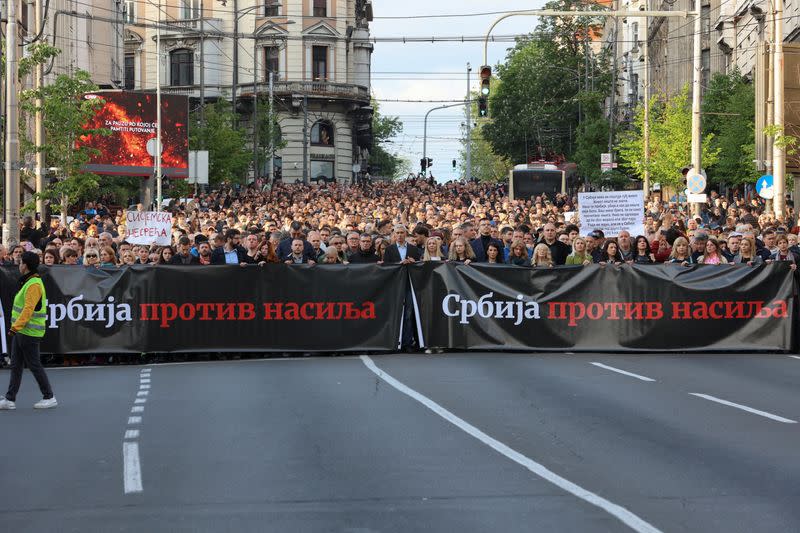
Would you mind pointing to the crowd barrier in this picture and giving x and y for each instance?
(335, 308)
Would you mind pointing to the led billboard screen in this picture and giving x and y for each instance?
(130, 149)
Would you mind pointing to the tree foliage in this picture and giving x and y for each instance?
(670, 140)
(380, 159)
(228, 154)
(535, 110)
(64, 113)
(729, 115)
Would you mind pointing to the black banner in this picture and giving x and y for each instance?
(606, 308)
(335, 308)
(323, 308)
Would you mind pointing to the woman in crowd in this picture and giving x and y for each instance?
(641, 252)
(165, 255)
(380, 247)
(16, 255)
(108, 259)
(128, 258)
(518, 254)
(610, 254)
(51, 256)
(461, 251)
(91, 258)
(337, 243)
(712, 255)
(680, 252)
(331, 257)
(783, 253)
(493, 253)
(266, 253)
(433, 251)
(747, 253)
(542, 256)
(579, 255)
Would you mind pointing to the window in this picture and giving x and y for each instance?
(322, 133)
(271, 61)
(319, 63)
(181, 67)
(130, 11)
(705, 59)
(321, 170)
(189, 9)
(320, 8)
(272, 8)
(129, 75)
(705, 18)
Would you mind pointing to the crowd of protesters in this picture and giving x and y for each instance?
(409, 221)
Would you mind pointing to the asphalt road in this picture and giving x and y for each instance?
(400, 443)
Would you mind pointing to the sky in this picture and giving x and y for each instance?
(435, 71)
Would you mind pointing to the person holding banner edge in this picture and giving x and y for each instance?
(29, 322)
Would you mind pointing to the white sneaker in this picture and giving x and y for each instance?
(46, 404)
(7, 405)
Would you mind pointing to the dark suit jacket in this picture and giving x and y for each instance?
(285, 249)
(194, 260)
(218, 256)
(480, 253)
(392, 254)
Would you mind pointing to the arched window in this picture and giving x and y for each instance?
(181, 67)
(322, 133)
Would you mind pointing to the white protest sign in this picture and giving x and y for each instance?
(611, 212)
(148, 227)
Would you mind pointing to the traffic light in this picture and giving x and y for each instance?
(486, 79)
(430, 162)
(454, 164)
(483, 106)
(423, 164)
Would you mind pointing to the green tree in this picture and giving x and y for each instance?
(670, 141)
(383, 129)
(64, 113)
(228, 154)
(729, 115)
(535, 109)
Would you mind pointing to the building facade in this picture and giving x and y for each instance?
(317, 52)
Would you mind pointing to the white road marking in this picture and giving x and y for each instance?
(132, 434)
(144, 380)
(623, 372)
(137, 409)
(133, 420)
(744, 408)
(143, 393)
(144, 387)
(140, 400)
(132, 470)
(795, 356)
(625, 516)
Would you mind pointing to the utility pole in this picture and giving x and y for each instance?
(159, 192)
(38, 73)
(305, 139)
(613, 100)
(235, 77)
(11, 218)
(778, 151)
(696, 89)
(202, 74)
(255, 109)
(271, 169)
(468, 175)
(646, 52)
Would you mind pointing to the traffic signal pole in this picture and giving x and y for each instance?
(425, 133)
(11, 215)
(468, 173)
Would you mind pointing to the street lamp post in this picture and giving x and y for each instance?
(425, 132)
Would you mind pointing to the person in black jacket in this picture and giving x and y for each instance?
(231, 253)
(483, 241)
(401, 251)
(558, 250)
(285, 246)
(366, 251)
(184, 257)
